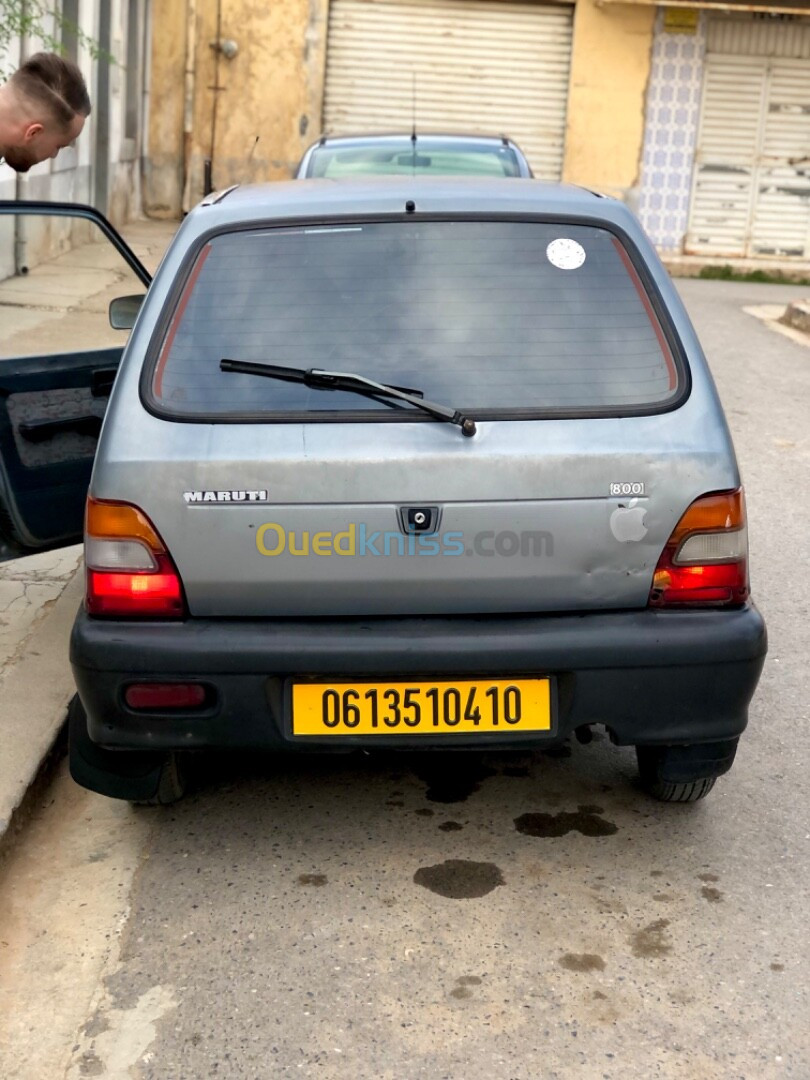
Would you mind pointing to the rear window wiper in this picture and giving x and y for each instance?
(318, 379)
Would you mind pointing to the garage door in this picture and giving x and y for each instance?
(478, 67)
(751, 190)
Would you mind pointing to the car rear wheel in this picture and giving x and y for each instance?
(143, 777)
(683, 774)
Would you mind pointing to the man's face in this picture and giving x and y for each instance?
(42, 141)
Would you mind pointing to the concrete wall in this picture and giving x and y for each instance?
(272, 88)
(610, 66)
(163, 167)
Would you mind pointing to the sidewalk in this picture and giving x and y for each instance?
(39, 596)
(59, 306)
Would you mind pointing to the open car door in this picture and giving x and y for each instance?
(61, 265)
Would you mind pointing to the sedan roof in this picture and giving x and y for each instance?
(421, 136)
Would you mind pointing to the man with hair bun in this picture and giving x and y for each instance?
(43, 107)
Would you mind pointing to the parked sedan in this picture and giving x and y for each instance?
(414, 464)
(334, 157)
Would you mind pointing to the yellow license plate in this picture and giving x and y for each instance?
(454, 707)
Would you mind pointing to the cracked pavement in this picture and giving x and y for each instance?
(28, 588)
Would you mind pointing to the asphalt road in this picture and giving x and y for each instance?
(368, 918)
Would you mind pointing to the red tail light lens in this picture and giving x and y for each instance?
(128, 569)
(165, 696)
(705, 560)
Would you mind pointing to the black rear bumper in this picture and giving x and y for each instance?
(651, 677)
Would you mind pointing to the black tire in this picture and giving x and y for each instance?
(675, 792)
(683, 774)
(143, 777)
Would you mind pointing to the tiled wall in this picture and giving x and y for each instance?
(670, 134)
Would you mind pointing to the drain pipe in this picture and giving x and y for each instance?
(20, 222)
(188, 101)
(20, 232)
(146, 76)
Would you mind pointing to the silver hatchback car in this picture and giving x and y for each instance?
(412, 463)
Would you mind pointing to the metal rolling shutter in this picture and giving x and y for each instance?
(781, 224)
(725, 162)
(481, 66)
(759, 37)
(751, 188)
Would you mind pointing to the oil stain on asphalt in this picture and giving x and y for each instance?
(451, 780)
(582, 962)
(586, 820)
(462, 990)
(650, 941)
(312, 879)
(714, 896)
(460, 879)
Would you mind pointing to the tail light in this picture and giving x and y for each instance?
(129, 571)
(705, 560)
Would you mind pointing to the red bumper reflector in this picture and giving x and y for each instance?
(165, 696)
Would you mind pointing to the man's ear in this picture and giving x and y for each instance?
(32, 131)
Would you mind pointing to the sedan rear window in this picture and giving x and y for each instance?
(502, 319)
(402, 159)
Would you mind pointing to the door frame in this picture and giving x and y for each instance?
(59, 369)
(82, 210)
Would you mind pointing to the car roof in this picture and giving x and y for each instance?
(389, 195)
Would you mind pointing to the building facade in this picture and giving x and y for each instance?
(105, 166)
(726, 155)
(697, 114)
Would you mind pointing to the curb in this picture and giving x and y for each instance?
(34, 696)
(797, 315)
(690, 266)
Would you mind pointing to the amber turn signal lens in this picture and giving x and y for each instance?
(110, 520)
(712, 513)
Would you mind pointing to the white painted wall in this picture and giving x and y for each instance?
(70, 176)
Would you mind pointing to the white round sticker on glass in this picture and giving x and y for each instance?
(565, 254)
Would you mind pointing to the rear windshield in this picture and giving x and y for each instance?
(498, 318)
(400, 159)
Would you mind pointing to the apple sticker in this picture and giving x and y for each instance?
(627, 522)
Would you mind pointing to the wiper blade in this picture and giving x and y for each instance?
(318, 379)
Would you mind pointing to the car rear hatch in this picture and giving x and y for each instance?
(277, 498)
